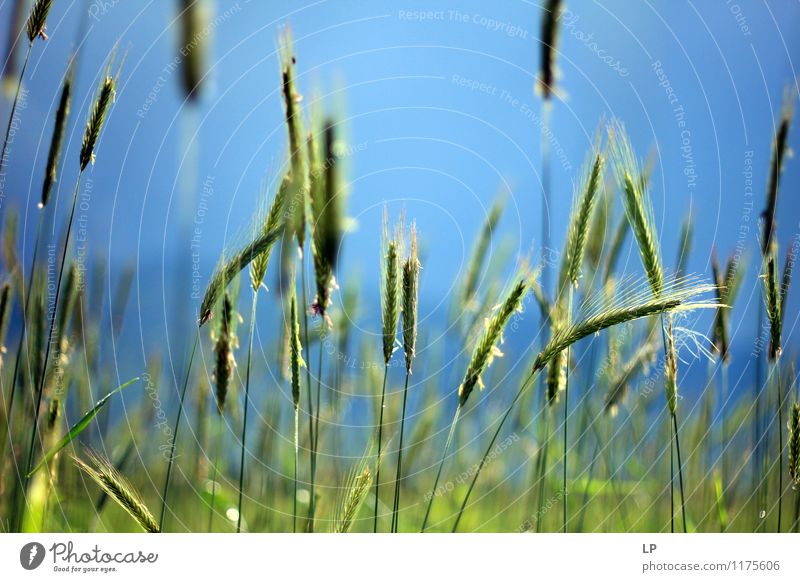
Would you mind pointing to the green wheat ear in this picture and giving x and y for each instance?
(638, 206)
(37, 21)
(118, 488)
(794, 445)
(486, 349)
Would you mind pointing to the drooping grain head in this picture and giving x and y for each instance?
(56, 141)
(224, 362)
(548, 43)
(230, 267)
(794, 445)
(391, 245)
(486, 348)
(779, 149)
(37, 21)
(194, 41)
(273, 221)
(638, 206)
(97, 118)
(680, 295)
(411, 268)
(671, 372)
(118, 488)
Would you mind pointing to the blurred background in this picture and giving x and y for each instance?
(441, 116)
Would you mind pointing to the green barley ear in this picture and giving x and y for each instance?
(578, 231)
(599, 228)
(258, 268)
(391, 244)
(479, 252)
(671, 372)
(37, 21)
(106, 94)
(54, 155)
(549, 42)
(355, 492)
(194, 46)
(229, 268)
(328, 222)
(638, 206)
(772, 298)
(411, 268)
(224, 362)
(794, 445)
(295, 351)
(556, 376)
(118, 488)
(486, 348)
(681, 295)
(779, 150)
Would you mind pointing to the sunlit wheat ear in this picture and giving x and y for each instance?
(54, 155)
(194, 45)
(671, 372)
(106, 94)
(638, 206)
(230, 267)
(633, 303)
(486, 348)
(392, 249)
(794, 445)
(224, 362)
(772, 298)
(582, 207)
(6, 301)
(295, 351)
(411, 268)
(556, 376)
(354, 493)
(37, 21)
(273, 221)
(118, 488)
(548, 43)
(328, 223)
(780, 147)
(480, 251)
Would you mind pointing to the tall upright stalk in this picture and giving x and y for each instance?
(566, 416)
(246, 407)
(171, 458)
(380, 451)
(398, 475)
(446, 449)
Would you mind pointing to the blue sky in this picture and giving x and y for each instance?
(441, 114)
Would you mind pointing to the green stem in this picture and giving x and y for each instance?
(380, 444)
(214, 481)
(171, 460)
(680, 469)
(311, 441)
(14, 106)
(396, 506)
(246, 407)
(48, 346)
(22, 344)
(447, 444)
(671, 479)
(566, 416)
(780, 446)
(296, 461)
(543, 466)
(519, 393)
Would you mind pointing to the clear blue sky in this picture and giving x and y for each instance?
(441, 108)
